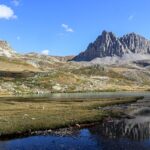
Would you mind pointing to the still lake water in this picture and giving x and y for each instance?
(127, 134)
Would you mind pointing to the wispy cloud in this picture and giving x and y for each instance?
(6, 12)
(67, 28)
(16, 2)
(45, 52)
(131, 17)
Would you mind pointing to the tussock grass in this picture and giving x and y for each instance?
(21, 115)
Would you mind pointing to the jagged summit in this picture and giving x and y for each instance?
(5, 49)
(108, 45)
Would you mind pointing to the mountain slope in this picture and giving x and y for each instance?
(39, 74)
(108, 45)
(12, 61)
(6, 50)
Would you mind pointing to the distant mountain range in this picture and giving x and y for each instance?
(107, 48)
(107, 45)
(108, 64)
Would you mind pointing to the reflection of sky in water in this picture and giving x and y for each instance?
(95, 138)
(133, 134)
(81, 141)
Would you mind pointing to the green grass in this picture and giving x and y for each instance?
(96, 71)
(23, 115)
(15, 61)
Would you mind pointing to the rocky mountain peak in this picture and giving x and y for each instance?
(5, 49)
(136, 43)
(108, 45)
(106, 34)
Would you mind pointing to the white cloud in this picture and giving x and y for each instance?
(131, 17)
(16, 2)
(6, 12)
(45, 52)
(67, 28)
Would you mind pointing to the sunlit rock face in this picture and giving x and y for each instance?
(6, 50)
(108, 45)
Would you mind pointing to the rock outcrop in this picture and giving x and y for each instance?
(108, 45)
(5, 49)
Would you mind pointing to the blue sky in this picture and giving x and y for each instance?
(66, 27)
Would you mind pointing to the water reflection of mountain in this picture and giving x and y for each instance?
(134, 129)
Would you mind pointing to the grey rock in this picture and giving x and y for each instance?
(108, 45)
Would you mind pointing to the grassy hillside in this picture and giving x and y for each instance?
(9, 64)
(36, 74)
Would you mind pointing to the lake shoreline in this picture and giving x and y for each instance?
(73, 92)
(62, 131)
(78, 124)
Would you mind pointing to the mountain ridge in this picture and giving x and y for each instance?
(108, 45)
(34, 73)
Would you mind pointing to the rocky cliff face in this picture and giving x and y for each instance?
(5, 49)
(108, 45)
